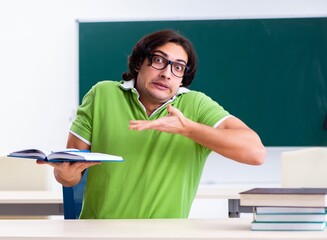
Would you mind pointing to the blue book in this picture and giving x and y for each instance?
(65, 155)
(291, 217)
(289, 210)
(291, 226)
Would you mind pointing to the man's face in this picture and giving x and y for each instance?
(158, 86)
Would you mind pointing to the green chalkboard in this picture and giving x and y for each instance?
(271, 73)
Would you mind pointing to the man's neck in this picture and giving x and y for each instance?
(150, 107)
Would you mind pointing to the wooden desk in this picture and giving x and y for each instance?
(231, 194)
(31, 203)
(218, 192)
(45, 203)
(231, 228)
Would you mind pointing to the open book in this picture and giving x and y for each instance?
(69, 155)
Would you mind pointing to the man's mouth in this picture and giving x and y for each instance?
(160, 85)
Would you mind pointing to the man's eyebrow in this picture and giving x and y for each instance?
(165, 55)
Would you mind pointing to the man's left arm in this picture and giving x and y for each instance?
(232, 138)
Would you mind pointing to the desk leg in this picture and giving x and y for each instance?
(233, 208)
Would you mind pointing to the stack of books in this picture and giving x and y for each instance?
(288, 209)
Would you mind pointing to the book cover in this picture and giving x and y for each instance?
(284, 191)
(71, 155)
(292, 226)
(284, 197)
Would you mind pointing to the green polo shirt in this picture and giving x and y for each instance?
(161, 172)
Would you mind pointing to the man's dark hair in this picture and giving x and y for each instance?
(149, 43)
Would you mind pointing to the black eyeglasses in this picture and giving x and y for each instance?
(159, 62)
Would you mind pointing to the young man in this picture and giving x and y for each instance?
(164, 132)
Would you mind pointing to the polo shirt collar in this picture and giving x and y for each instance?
(130, 85)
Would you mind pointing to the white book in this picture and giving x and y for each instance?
(284, 197)
(70, 155)
(292, 226)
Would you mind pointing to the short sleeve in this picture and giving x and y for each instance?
(82, 125)
(204, 109)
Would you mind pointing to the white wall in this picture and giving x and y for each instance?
(38, 60)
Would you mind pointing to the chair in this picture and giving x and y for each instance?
(304, 167)
(73, 198)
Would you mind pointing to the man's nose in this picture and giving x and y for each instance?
(166, 72)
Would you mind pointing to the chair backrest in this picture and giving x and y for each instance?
(73, 198)
(304, 167)
(22, 174)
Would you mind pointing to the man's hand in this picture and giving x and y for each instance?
(69, 174)
(174, 122)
